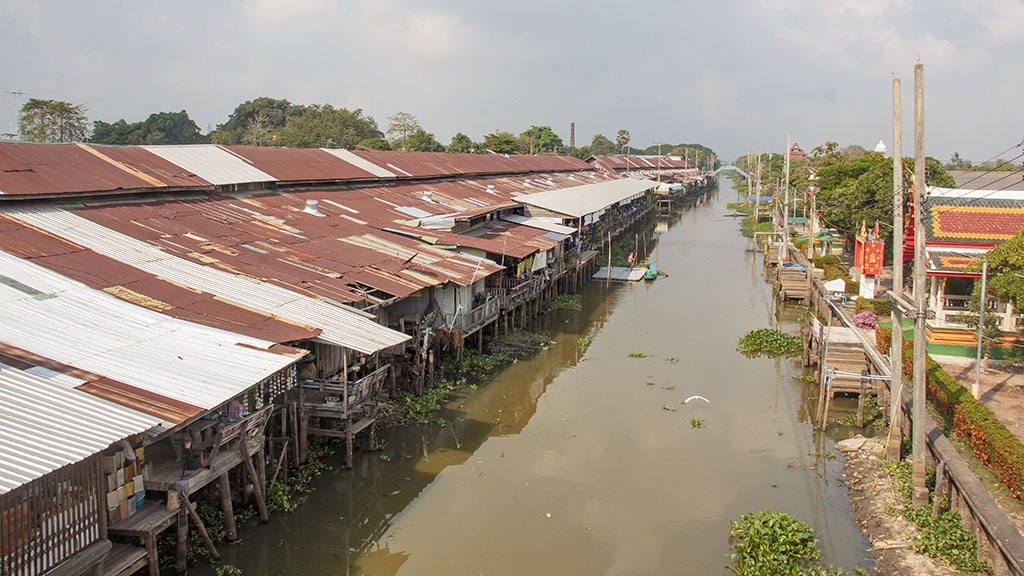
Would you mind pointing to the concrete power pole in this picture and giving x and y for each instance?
(920, 496)
(892, 451)
(785, 209)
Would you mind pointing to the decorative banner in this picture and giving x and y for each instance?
(873, 258)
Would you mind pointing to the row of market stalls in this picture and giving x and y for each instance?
(175, 317)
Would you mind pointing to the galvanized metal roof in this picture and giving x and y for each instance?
(57, 318)
(340, 324)
(540, 223)
(45, 426)
(213, 163)
(586, 199)
(360, 163)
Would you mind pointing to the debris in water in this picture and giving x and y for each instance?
(667, 407)
(696, 398)
(548, 514)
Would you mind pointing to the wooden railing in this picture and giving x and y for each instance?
(480, 315)
(1000, 543)
(49, 520)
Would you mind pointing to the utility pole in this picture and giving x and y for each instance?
(976, 388)
(893, 446)
(810, 234)
(785, 209)
(920, 492)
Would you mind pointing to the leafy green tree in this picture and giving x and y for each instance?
(1006, 280)
(500, 142)
(861, 190)
(322, 125)
(375, 143)
(400, 127)
(583, 152)
(53, 121)
(829, 148)
(600, 145)
(461, 144)
(622, 138)
(158, 128)
(540, 140)
(422, 141)
(275, 114)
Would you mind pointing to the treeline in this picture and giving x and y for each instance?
(853, 185)
(276, 122)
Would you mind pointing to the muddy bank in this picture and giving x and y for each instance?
(873, 495)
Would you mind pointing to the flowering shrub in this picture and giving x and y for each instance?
(883, 339)
(866, 320)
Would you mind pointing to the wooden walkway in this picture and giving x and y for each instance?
(842, 369)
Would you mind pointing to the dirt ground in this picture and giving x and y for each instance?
(872, 494)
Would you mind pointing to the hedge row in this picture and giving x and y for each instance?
(973, 422)
(880, 306)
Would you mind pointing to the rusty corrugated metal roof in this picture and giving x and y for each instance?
(438, 164)
(300, 164)
(142, 288)
(35, 169)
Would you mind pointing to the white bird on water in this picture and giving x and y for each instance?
(696, 398)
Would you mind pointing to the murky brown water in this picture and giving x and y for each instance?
(568, 463)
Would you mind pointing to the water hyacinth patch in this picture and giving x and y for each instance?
(867, 320)
(768, 342)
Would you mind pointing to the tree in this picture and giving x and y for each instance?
(256, 130)
(322, 125)
(600, 145)
(539, 140)
(422, 141)
(500, 142)
(375, 143)
(622, 138)
(158, 128)
(400, 126)
(461, 144)
(1006, 279)
(829, 148)
(275, 114)
(53, 121)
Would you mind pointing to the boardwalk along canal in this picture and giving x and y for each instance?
(570, 462)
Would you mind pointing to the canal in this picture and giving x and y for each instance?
(582, 459)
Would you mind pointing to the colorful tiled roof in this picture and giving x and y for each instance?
(984, 217)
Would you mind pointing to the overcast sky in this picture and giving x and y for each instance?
(726, 74)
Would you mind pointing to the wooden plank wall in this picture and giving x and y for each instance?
(47, 521)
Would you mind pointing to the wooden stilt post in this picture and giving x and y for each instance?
(181, 548)
(860, 399)
(187, 505)
(225, 503)
(348, 442)
(258, 490)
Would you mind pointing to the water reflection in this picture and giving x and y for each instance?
(583, 460)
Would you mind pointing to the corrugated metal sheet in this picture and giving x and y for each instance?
(300, 164)
(213, 163)
(44, 426)
(360, 163)
(427, 164)
(33, 169)
(540, 224)
(581, 200)
(57, 318)
(340, 325)
(138, 287)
